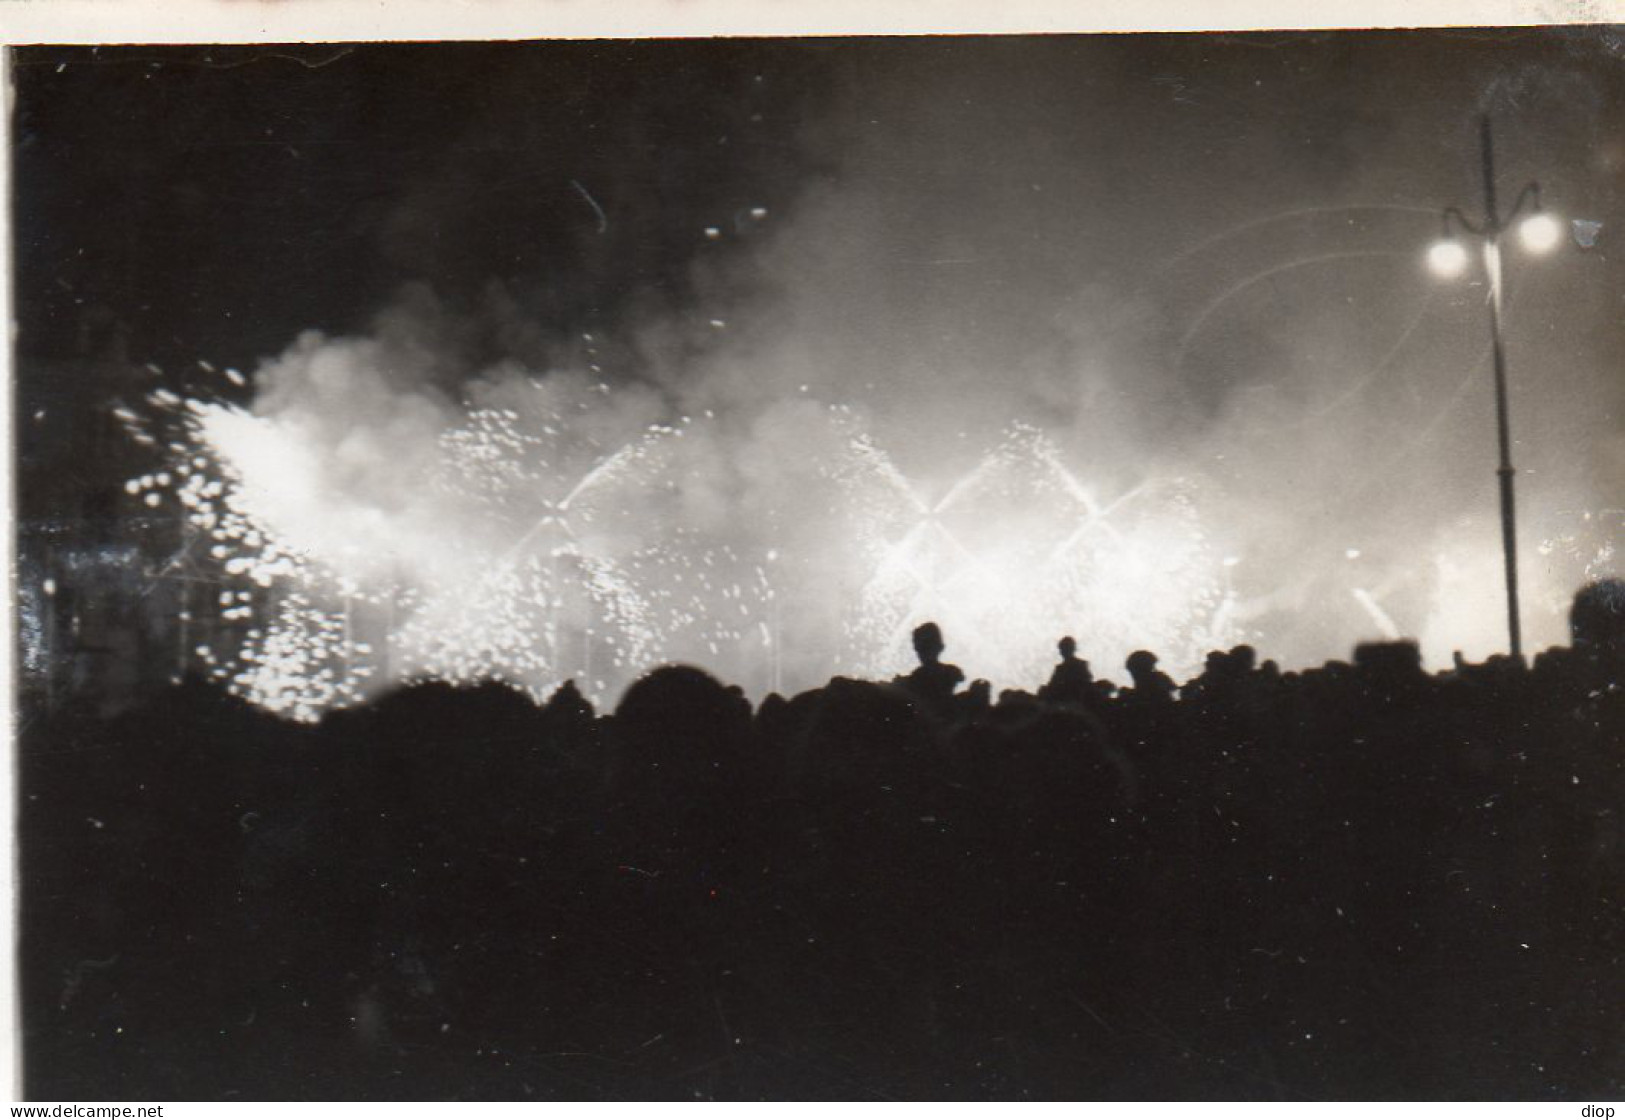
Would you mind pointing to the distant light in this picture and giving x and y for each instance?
(1352, 553)
(1540, 233)
(1447, 258)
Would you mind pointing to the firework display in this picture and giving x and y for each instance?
(1019, 546)
(525, 548)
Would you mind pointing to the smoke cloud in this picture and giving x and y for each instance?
(1000, 313)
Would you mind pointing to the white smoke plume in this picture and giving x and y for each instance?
(1279, 427)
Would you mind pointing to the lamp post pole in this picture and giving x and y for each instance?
(1506, 473)
(1539, 232)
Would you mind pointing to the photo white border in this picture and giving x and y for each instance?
(24, 22)
(289, 21)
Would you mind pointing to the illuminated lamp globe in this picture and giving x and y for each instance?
(1540, 233)
(1447, 258)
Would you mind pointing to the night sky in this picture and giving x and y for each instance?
(1198, 254)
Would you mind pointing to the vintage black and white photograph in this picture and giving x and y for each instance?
(902, 568)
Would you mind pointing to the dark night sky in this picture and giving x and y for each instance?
(297, 186)
(1070, 229)
(294, 187)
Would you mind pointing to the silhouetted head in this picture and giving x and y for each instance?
(1068, 647)
(568, 707)
(676, 706)
(1394, 660)
(928, 643)
(1141, 664)
(567, 697)
(1597, 619)
(440, 712)
(859, 731)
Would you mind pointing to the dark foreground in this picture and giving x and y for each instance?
(1360, 882)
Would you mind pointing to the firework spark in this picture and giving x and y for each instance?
(526, 545)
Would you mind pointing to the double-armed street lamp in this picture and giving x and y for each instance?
(1539, 232)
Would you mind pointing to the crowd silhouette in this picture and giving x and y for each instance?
(1356, 881)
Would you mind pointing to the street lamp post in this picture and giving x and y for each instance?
(1539, 232)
